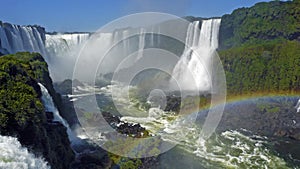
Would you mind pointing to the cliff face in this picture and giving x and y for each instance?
(22, 113)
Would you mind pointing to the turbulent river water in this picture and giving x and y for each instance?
(230, 148)
(13, 155)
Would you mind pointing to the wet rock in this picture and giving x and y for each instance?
(92, 160)
(49, 116)
(173, 104)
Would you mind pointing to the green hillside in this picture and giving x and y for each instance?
(260, 48)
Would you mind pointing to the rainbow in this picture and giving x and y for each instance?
(230, 99)
(257, 95)
(239, 98)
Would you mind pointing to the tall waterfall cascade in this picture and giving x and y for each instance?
(133, 41)
(13, 155)
(193, 70)
(15, 38)
(60, 44)
(114, 50)
(298, 106)
(62, 51)
(59, 50)
(50, 107)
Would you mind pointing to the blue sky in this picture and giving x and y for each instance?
(89, 15)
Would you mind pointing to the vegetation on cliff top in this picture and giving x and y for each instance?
(20, 104)
(264, 68)
(260, 48)
(264, 22)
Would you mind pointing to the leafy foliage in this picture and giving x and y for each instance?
(264, 22)
(260, 48)
(20, 104)
(269, 68)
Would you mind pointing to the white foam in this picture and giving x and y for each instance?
(13, 155)
(192, 71)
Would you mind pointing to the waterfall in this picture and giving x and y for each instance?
(59, 50)
(132, 40)
(192, 71)
(298, 106)
(13, 155)
(50, 107)
(15, 38)
(141, 47)
(118, 45)
(62, 52)
(4, 41)
(152, 37)
(61, 44)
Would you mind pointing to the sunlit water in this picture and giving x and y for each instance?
(228, 149)
(13, 155)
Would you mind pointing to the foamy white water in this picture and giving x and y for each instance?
(14, 156)
(193, 70)
(229, 149)
(298, 106)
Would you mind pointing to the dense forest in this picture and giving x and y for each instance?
(264, 22)
(260, 48)
(263, 68)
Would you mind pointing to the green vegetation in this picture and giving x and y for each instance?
(264, 22)
(268, 108)
(260, 48)
(139, 101)
(124, 162)
(149, 148)
(20, 104)
(6, 160)
(268, 68)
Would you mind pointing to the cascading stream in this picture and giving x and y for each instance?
(50, 107)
